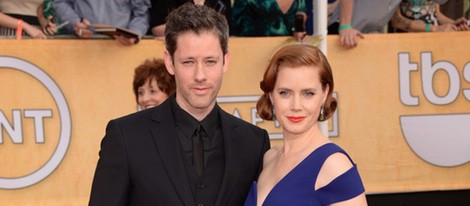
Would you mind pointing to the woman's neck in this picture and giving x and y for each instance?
(307, 141)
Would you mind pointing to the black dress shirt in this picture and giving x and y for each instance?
(205, 188)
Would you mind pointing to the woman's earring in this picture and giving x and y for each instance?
(274, 115)
(322, 114)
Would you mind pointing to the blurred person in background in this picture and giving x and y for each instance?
(161, 8)
(351, 19)
(22, 15)
(266, 18)
(9, 26)
(425, 16)
(81, 14)
(466, 8)
(152, 83)
(48, 19)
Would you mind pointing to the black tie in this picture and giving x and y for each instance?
(198, 150)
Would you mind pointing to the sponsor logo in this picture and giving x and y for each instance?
(13, 132)
(440, 139)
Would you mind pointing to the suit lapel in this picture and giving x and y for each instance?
(232, 148)
(169, 149)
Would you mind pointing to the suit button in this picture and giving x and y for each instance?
(200, 204)
(201, 186)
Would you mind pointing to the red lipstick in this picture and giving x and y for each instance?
(296, 119)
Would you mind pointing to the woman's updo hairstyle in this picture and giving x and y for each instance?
(296, 55)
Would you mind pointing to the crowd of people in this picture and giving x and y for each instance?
(350, 19)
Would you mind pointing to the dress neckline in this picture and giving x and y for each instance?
(283, 179)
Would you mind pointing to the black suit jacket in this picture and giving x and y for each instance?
(141, 162)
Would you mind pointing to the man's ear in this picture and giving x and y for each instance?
(168, 62)
(226, 61)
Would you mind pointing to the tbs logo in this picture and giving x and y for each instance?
(440, 139)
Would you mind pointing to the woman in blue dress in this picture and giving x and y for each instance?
(307, 169)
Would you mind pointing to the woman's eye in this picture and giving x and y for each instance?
(284, 93)
(309, 94)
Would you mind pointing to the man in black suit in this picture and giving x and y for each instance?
(187, 151)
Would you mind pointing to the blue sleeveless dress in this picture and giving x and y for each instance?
(297, 187)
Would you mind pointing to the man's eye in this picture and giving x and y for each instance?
(188, 63)
(211, 62)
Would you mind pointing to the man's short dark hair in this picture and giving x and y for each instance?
(195, 18)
